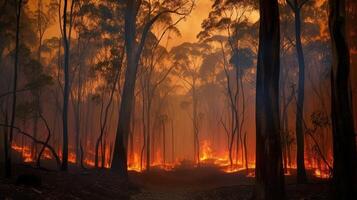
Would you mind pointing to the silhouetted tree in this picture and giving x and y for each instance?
(344, 138)
(14, 90)
(296, 6)
(269, 167)
(134, 49)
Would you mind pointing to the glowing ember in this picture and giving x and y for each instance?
(89, 162)
(25, 152)
(206, 151)
(321, 174)
(207, 156)
(134, 165)
(72, 158)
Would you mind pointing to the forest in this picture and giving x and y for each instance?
(178, 99)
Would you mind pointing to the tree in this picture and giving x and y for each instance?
(66, 89)
(344, 138)
(151, 77)
(14, 91)
(269, 177)
(133, 54)
(296, 6)
(43, 22)
(187, 59)
(233, 18)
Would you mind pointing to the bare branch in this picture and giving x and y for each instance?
(35, 140)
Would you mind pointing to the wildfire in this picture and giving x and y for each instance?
(72, 158)
(134, 165)
(321, 174)
(206, 151)
(89, 162)
(25, 152)
(207, 156)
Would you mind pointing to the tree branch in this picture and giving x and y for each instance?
(35, 140)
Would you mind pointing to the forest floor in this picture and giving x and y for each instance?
(205, 183)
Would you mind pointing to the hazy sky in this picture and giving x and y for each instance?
(189, 28)
(192, 25)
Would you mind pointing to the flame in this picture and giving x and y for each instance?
(72, 158)
(89, 162)
(25, 152)
(322, 174)
(206, 151)
(207, 156)
(134, 165)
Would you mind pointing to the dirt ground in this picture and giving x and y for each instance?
(205, 183)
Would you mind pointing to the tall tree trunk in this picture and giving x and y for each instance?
(64, 166)
(103, 123)
(120, 152)
(172, 142)
(35, 130)
(7, 149)
(344, 139)
(164, 141)
(269, 167)
(133, 53)
(148, 133)
(301, 172)
(14, 96)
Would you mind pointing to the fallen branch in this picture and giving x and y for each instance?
(36, 141)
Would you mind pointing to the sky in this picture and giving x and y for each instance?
(189, 28)
(192, 25)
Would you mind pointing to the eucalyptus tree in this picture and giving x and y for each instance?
(43, 22)
(187, 59)
(344, 138)
(100, 24)
(66, 37)
(296, 6)
(19, 5)
(234, 20)
(269, 177)
(154, 71)
(143, 14)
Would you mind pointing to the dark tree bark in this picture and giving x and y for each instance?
(269, 167)
(14, 96)
(300, 158)
(133, 52)
(120, 152)
(344, 140)
(103, 123)
(64, 166)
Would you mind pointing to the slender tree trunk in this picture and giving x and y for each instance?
(144, 131)
(269, 168)
(35, 130)
(172, 142)
(148, 134)
(344, 138)
(103, 123)
(14, 96)
(301, 172)
(132, 130)
(64, 166)
(7, 149)
(164, 141)
(244, 140)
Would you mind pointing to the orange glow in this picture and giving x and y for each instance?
(25, 152)
(321, 174)
(207, 156)
(72, 158)
(134, 165)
